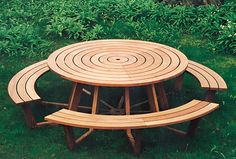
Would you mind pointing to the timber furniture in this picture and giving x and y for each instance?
(123, 64)
(21, 89)
(208, 79)
(118, 63)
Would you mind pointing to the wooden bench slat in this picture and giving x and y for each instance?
(21, 82)
(124, 117)
(121, 119)
(203, 81)
(177, 112)
(31, 82)
(95, 125)
(12, 86)
(12, 91)
(180, 119)
(188, 108)
(208, 78)
(218, 78)
(212, 83)
(98, 119)
(193, 110)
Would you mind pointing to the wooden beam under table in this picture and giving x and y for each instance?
(162, 96)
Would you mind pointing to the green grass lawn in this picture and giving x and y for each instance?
(215, 138)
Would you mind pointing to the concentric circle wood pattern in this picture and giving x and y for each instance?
(117, 63)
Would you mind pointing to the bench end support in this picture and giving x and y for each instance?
(70, 139)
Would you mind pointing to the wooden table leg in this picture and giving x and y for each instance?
(95, 105)
(135, 141)
(179, 83)
(75, 96)
(127, 101)
(95, 100)
(73, 103)
(162, 96)
(152, 98)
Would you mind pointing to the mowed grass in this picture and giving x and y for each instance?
(215, 138)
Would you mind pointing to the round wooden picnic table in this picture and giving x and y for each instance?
(117, 63)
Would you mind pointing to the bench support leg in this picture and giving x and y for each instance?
(84, 136)
(193, 127)
(134, 140)
(95, 105)
(74, 101)
(210, 95)
(29, 117)
(179, 83)
(69, 134)
(177, 131)
(162, 96)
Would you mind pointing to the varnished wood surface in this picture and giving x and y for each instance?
(208, 78)
(190, 111)
(117, 62)
(21, 86)
(152, 98)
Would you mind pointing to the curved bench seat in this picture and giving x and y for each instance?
(21, 87)
(191, 111)
(187, 112)
(208, 78)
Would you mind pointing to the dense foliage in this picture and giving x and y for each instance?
(31, 27)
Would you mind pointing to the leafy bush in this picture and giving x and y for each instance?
(147, 20)
(28, 26)
(20, 34)
(22, 39)
(226, 41)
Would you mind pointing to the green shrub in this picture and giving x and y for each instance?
(28, 26)
(226, 41)
(22, 40)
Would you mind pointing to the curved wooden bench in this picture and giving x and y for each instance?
(208, 79)
(21, 88)
(191, 111)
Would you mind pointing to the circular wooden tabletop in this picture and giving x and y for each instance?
(117, 63)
